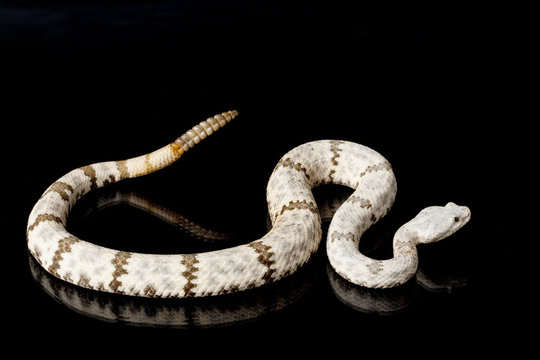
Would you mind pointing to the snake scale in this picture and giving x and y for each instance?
(295, 234)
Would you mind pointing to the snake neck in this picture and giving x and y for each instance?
(405, 241)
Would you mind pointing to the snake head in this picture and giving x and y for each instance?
(435, 223)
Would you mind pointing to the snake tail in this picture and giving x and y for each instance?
(165, 156)
(204, 129)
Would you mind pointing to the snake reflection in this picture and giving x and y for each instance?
(229, 309)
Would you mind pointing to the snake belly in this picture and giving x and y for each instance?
(295, 234)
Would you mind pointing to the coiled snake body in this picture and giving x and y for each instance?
(294, 237)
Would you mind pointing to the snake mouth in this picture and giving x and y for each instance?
(467, 214)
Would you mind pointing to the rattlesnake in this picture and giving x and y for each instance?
(295, 235)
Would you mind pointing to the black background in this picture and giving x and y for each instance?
(92, 81)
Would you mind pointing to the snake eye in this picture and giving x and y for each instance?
(456, 219)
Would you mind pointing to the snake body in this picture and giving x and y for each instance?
(295, 234)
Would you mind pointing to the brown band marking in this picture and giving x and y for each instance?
(91, 173)
(42, 218)
(176, 149)
(289, 163)
(189, 261)
(342, 236)
(122, 169)
(335, 151)
(377, 167)
(303, 204)
(119, 261)
(265, 258)
(364, 203)
(148, 164)
(61, 188)
(64, 246)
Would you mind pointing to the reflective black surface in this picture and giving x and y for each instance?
(92, 81)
